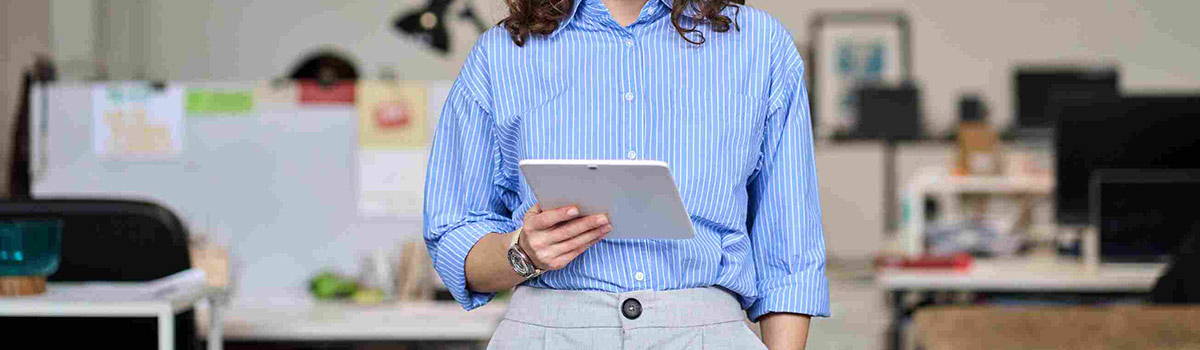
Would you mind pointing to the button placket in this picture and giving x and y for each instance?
(629, 97)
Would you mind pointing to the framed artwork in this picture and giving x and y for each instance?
(847, 50)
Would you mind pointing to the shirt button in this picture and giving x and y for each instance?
(631, 155)
(629, 42)
(639, 276)
(629, 96)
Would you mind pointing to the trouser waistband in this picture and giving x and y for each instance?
(675, 308)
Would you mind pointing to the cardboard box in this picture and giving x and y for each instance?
(978, 150)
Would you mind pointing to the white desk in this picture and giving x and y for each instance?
(1025, 275)
(84, 300)
(301, 319)
(1032, 276)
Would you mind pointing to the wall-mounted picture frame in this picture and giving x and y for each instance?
(848, 49)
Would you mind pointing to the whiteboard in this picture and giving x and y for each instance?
(277, 187)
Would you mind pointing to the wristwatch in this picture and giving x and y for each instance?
(519, 261)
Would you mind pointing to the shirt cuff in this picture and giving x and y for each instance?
(450, 259)
(805, 293)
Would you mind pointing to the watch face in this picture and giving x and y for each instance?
(518, 262)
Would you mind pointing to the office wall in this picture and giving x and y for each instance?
(958, 45)
(972, 45)
(73, 24)
(24, 32)
(240, 40)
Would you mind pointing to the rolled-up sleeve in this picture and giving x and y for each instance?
(785, 209)
(462, 202)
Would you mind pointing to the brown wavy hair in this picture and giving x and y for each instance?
(542, 17)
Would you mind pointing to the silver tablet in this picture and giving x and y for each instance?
(639, 196)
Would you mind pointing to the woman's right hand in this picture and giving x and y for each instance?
(553, 238)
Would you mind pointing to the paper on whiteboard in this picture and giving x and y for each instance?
(392, 114)
(394, 147)
(391, 183)
(135, 120)
(211, 102)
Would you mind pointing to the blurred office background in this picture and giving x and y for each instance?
(936, 127)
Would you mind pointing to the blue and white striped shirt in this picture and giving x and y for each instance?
(729, 116)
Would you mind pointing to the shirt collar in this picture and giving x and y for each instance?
(690, 12)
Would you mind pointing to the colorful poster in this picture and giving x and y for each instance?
(851, 54)
(137, 120)
(275, 95)
(312, 93)
(219, 101)
(392, 115)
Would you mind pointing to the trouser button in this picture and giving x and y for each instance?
(631, 308)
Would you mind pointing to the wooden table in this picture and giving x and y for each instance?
(1067, 328)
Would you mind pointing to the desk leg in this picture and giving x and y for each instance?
(166, 329)
(216, 329)
(899, 315)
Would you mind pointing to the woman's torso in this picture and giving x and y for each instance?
(598, 91)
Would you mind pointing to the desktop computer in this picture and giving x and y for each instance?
(888, 113)
(1041, 92)
(1143, 215)
(1136, 132)
(1148, 132)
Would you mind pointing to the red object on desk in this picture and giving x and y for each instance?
(961, 261)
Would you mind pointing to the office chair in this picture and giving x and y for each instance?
(107, 240)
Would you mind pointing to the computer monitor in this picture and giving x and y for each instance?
(1137, 132)
(1038, 90)
(888, 113)
(1143, 215)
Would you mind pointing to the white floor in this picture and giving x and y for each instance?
(860, 313)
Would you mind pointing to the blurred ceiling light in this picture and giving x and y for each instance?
(428, 24)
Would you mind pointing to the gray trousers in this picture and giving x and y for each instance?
(699, 318)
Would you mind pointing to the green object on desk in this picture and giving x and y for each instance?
(368, 296)
(329, 285)
(30, 247)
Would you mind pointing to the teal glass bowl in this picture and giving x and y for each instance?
(30, 247)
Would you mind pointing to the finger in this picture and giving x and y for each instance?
(569, 256)
(589, 244)
(532, 211)
(580, 241)
(573, 228)
(549, 218)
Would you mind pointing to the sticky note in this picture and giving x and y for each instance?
(219, 102)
